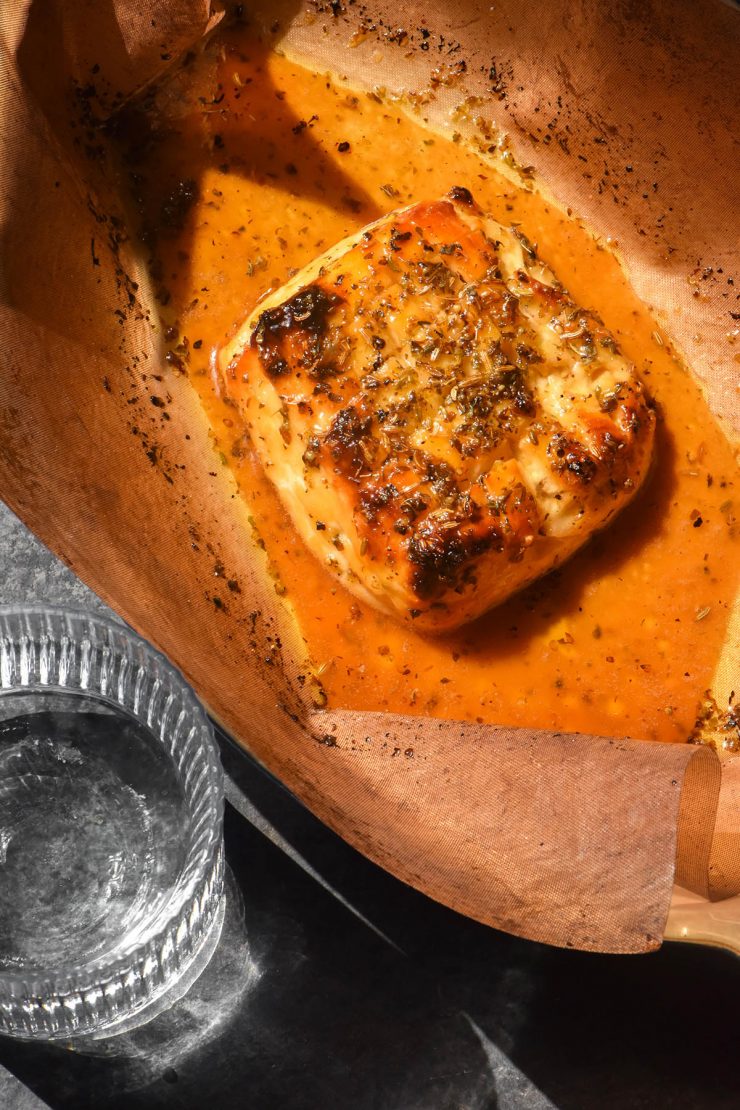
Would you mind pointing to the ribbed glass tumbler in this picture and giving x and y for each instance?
(111, 825)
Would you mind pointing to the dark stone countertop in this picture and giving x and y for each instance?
(335, 987)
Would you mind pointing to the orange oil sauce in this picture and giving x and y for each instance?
(623, 639)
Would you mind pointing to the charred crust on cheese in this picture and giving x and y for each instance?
(437, 558)
(444, 555)
(350, 442)
(571, 458)
(304, 316)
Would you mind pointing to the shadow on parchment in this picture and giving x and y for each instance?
(240, 125)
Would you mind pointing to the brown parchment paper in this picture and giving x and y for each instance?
(570, 840)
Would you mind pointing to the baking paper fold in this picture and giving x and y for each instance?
(570, 840)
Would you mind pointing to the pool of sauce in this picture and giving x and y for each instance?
(244, 167)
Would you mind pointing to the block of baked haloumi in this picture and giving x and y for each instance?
(441, 421)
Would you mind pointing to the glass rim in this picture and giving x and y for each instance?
(65, 981)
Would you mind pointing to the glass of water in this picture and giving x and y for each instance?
(111, 825)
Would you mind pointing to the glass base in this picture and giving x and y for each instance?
(91, 813)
